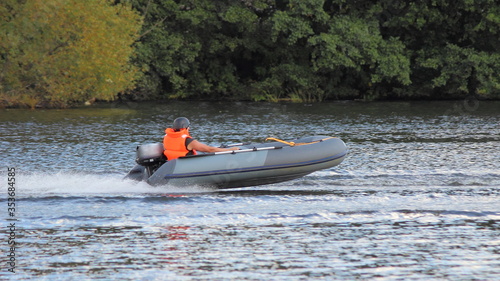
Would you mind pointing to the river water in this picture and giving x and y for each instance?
(417, 198)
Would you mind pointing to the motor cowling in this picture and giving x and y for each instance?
(150, 154)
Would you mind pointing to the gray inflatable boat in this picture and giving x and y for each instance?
(253, 164)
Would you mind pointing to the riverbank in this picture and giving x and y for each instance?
(126, 102)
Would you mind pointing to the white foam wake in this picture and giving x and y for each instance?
(84, 183)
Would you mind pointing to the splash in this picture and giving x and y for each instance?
(73, 183)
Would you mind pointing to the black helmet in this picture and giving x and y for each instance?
(180, 123)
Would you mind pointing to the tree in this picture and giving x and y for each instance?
(57, 52)
(312, 50)
(453, 45)
(195, 48)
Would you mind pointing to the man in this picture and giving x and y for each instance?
(177, 141)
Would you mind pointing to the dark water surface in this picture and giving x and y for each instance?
(417, 198)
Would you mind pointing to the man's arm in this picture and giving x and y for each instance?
(198, 146)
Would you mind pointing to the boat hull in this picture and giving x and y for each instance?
(252, 165)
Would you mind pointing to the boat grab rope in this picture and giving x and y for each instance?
(291, 143)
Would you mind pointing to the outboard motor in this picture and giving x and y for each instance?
(149, 158)
(149, 154)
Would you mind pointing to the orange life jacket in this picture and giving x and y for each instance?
(175, 143)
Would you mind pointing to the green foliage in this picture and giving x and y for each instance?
(56, 52)
(357, 45)
(454, 45)
(463, 70)
(298, 50)
(312, 50)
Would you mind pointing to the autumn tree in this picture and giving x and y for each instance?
(58, 52)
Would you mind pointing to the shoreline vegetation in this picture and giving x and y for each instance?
(65, 53)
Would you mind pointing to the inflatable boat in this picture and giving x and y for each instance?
(253, 164)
